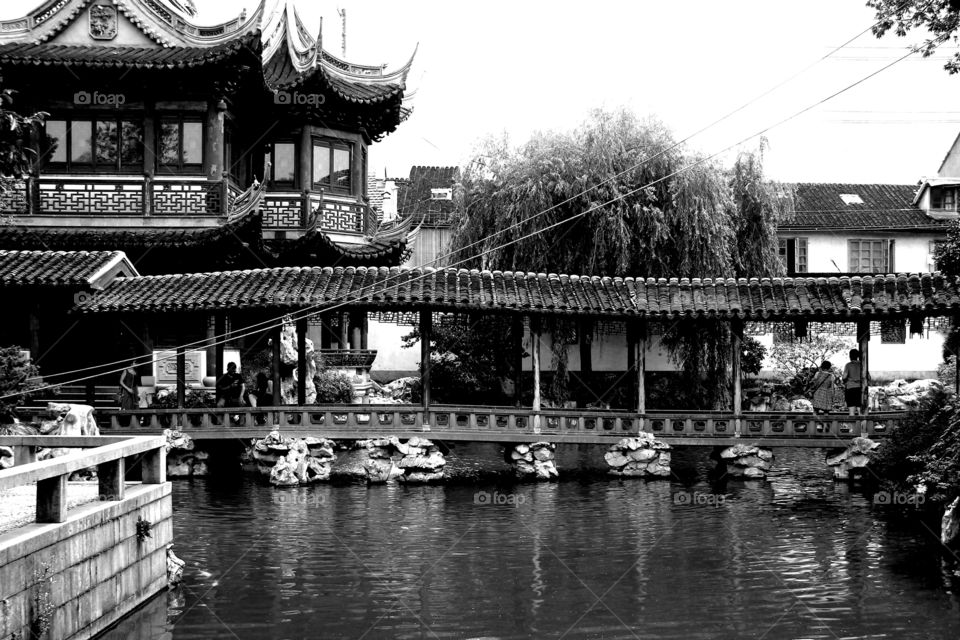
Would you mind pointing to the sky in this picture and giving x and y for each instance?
(515, 67)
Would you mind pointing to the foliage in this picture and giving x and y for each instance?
(18, 376)
(947, 253)
(752, 354)
(947, 372)
(924, 448)
(15, 133)
(939, 17)
(626, 200)
(333, 387)
(192, 399)
(796, 362)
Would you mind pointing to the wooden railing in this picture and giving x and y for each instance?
(107, 453)
(364, 420)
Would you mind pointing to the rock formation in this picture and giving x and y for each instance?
(6, 457)
(419, 460)
(293, 461)
(747, 461)
(288, 356)
(639, 456)
(174, 568)
(950, 525)
(535, 460)
(183, 459)
(855, 456)
(901, 395)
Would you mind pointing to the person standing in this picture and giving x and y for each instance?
(230, 387)
(853, 373)
(129, 397)
(822, 386)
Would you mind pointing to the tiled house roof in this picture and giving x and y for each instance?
(33, 54)
(843, 298)
(830, 206)
(59, 268)
(414, 194)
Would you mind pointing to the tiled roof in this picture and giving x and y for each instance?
(876, 206)
(461, 290)
(54, 268)
(414, 195)
(388, 246)
(27, 53)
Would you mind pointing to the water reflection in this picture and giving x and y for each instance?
(796, 556)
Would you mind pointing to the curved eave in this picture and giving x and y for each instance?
(116, 57)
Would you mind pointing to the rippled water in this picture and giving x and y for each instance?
(794, 557)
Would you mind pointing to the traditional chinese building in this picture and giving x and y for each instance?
(195, 148)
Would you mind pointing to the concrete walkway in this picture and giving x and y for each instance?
(19, 506)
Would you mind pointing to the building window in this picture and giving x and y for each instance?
(793, 255)
(870, 256)
(108, 145)
(283, 164)
(180, 145)
(943, 198)
(331, 166)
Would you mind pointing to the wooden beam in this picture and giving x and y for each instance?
(863, 344)
(275, 369)
(516, 337)
(736, 345)
(426, 333)
(301, 361)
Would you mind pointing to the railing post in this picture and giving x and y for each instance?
(110, 478)
(426, 332)
(24, 454)
(154, 466)
(736, 344)
(52, 499)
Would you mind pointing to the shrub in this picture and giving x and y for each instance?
(333, 387)
(194, 399)
(18, 375)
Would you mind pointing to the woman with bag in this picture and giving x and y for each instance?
(822, 386)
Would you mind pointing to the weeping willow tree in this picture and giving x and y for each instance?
(618, 196)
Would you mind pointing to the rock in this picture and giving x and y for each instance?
(289, 356)
(643, 455)
(174, 568)
(950, 524)
(421, 477)
(6, 457)
(743, 460)
(73, 420)
(615, 459)
(738, 450)
(753, 472)
(521, 449)
(543, 454)
(856, 456)
(380, 470)
(801, 405)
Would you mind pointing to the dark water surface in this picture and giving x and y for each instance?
(793, 557)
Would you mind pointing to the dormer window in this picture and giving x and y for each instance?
(944, 198)
(851, 198)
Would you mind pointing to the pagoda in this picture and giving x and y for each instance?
(197, 148)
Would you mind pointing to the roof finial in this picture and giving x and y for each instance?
(343, 31)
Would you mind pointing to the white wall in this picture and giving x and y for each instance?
(911, 252)
(385, 337)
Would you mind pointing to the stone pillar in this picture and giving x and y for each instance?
(863, 344)
(747, 461)
(535, 460)
(535, 352)
(641, 456)
(850, 461)
(736, 346)
(426, 331)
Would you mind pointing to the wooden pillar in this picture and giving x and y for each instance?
(535, 352)
(210, 347)
(641, 337)
(213, 143)
(631, 363)
(736, 345)
(275, 369)
(364, 330)
(585, 340)
(181, 376)
(344, 330)
(516, 337)
(220, 328)
(34, 327)
(863, 344)
(301, 361)
(149, 157)
(426, 333)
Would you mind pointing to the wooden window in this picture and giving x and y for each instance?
(103, 144)
(283, 164)
(180, 145)
(943, 198)
(870, 256)
(793, 255)
(332, 162)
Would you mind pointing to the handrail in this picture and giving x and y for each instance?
(107, 453)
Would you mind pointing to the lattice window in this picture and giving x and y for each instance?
(869, 256)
